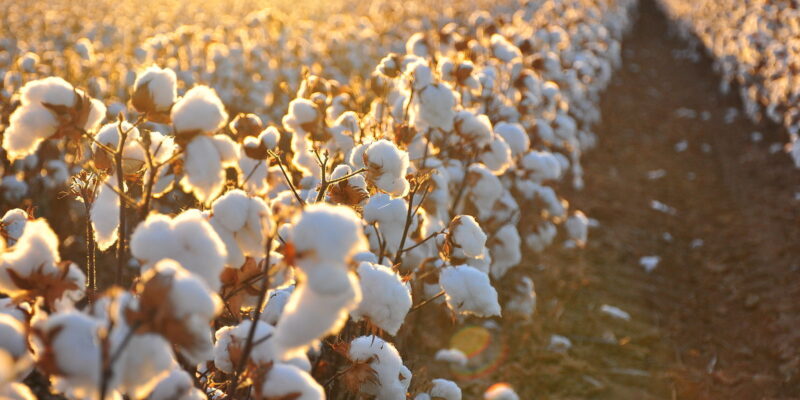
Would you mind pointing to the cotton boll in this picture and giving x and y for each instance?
(500, 391)
(327, 233)
(578, 228)
(542, 237)
(515, 136)
(270, 137)
(523, 300)
(188, 239)
(177, 385)
(104, 214)
(505, 249)
(452, 356)
(385, 361)
(230, 343)
(13, 338)
(434, 107)
(387, 166)
(484, 189)
(28, 127)
(14, 189)
(285, 380)
(468, 291)
(445, 389)
(386, 299)
(309, 316)
(467, 235)
(71, 341)
(474, 129)
(390, 215)
(303, 116)
(231, 209)
(276, 302)
(155, 90)
(254, 175)
(203, 167)
(13, 225)
(542, 166)
(496, 155)
(503, 49)
(199, 110)
(144, 359)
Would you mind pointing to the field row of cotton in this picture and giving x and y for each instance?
(264, 211)
(755, 45)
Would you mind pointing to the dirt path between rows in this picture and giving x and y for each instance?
(719, 317)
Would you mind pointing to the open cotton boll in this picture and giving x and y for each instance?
(287, 381)
(516, 137)
(467, 235)
(231, 209)
(475, 129)
(484, 188)
(231, 340)
(385, 361)
(143, 360)
(204, 175)
(185, 314)
(434, 107)
(386, 299)
(13, 338)
(199, 111)
(445, 389)
(542, 166)
(452, 356)
(177, 385)
(578, 228)
(253, 178)
(13, 225)
(419, 71)
(276, 302)
(28, 127)
(188, 239)
(14, 188)
(309, 316)
(324, 232)
(302, 117)
(104, 214)
(553, 205)
(35, 251)
(496, 155)
(523, 300)
(542, 238)
(505, 250)
(387, 166)
(70, 340)
(155, 90)
(468, 291)
(503, 49)
(390, 214)
(500, 391)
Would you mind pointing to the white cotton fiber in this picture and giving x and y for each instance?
(468, 291)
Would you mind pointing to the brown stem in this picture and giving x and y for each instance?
(426, 301)
(288, 181)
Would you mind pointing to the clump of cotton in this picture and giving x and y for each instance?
(231, 340)
(468, 291)
(179, 306)
(542, 237)
(386, 299)
(155, 90)
(8, 388)
(505, 250)
(390, 215)
(13, 338)
(578, 228)
(288, 381)
(243, 223)
(204, 163)
(188, 238)
(325, 238)
(503, 49)
(390, 383)
(276, 301)
(176, 385)
(466, 236)
(496, 155)
(452, 356)
(484, 189)
(523, 299)
(541, 166)
(475, 130)
(442, 389)
(386, 167)
(49, 107)
(199, 111)
(434, 106)
(13, 224)
(516, 137)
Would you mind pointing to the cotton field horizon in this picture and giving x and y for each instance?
(399, 200)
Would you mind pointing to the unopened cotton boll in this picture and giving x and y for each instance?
(386, 299)
(468, 291)
(199, 111)
(386, 167)
(385, 361)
